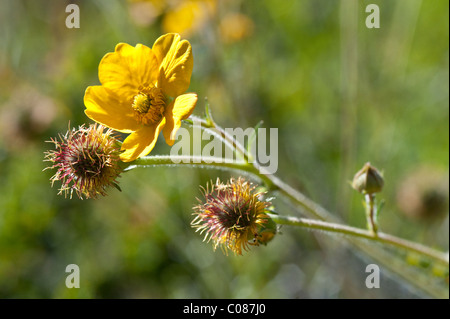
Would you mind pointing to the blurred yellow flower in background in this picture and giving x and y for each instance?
(141, 92)
(179, 16)
(235, 26)
(188, 17)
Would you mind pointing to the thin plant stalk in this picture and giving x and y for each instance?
(220, 163)
(323, 220)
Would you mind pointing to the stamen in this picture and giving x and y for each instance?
(141, 103)
(149, 105)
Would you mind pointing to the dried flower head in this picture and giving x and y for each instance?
(233, 216)
(87, 161)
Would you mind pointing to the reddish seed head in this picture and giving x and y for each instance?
(232, 215)
(86, 160)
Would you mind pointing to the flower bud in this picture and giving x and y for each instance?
(266, 232)
(368, 180)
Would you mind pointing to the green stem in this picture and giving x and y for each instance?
(197, 161)
(216, 131)
(183, 160)
(310, 206)
(361, 233)
(326, 221)
(272, 182)
(229, 141)
(371, 213)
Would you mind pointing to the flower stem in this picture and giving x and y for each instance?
(183, 160)
(325, 221)
(361, 233)
(310, 206)
(229, 141)
(371, 213)
(198, 161)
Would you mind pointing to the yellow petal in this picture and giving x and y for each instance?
(104, 107)
(180, 109)
(176, 61)
(128, 68)
(141, 142)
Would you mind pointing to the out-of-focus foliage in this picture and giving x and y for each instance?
(339, 93)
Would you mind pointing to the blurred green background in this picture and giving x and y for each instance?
(339, 93)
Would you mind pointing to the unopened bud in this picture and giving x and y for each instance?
(368, 180)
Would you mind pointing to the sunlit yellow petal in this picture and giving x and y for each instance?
(104, 107)
(141, 142)
(181, 108)
(176, 61)
(128, 68)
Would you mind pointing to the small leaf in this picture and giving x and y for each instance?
(117, 186)
(208, 115)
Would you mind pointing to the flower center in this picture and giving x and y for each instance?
(141, 103)
(149, 105)
(88, 165)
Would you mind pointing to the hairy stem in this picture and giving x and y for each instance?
(361, 233)
(371, 212)
(324, 220)
(197, 161)
(310, 206)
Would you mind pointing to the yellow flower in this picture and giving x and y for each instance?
(142, 92)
